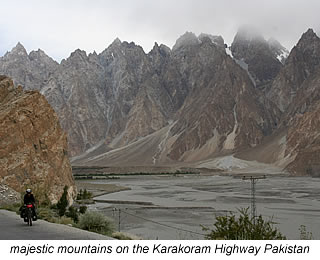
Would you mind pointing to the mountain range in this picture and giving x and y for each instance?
(197, 101)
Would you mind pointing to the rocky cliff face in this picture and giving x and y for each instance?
(302, 120)
(303, 142)
(33, 147)
(8, 196)
(31, 70)
(296, 91)
(222, 110)
(302, 62)
(262, 58)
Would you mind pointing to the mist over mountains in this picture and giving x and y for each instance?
(199, 100)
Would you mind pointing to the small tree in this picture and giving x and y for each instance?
(63, 202)
(79, 195)
(243, 228)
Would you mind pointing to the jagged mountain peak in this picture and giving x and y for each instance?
(155, 47)
(248, 33)
(187, 39)
(19, 50)
(248, 40)
(216, 39)
(121, 46)
(309, 34)
(76, 58)
(309, 46)
(40, 55)
(165, 48)
(94, 53)
(19, 46)
(78, 54)
(308, 39)
(162, 49)
(116, 41)
(303, 61)
(279, 51)
(93, 57)
(262, 60)
(274, 42)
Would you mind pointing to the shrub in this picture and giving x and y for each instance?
(243, 228)
(96, 222)
(65, 221)
(52, 216)
(47, 214)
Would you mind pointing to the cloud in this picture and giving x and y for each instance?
(59, 26)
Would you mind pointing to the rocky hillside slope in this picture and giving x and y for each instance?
(302, 62)
(33, 147)
(296, 91)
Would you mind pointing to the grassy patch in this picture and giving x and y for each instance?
(12, 207)
(47, 214)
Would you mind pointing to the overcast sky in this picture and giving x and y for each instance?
(60, 26)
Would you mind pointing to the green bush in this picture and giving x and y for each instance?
(52, 216)
(64, 221)
(243, 228)
(47, 214)
(96, 222)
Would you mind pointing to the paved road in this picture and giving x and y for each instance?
(13, 228)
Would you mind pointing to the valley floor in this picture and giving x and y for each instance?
(175, 206)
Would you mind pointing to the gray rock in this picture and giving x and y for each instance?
(250, 47)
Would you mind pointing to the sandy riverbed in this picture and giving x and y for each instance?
(186, 202)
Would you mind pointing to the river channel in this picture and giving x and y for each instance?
(175, 207)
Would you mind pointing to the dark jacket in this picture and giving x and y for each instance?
(29, 199)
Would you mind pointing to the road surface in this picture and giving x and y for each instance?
(13, 228)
